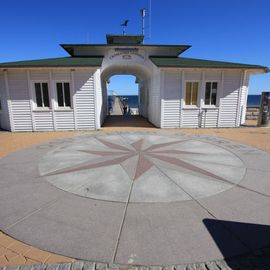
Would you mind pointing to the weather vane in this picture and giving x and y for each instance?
(124, 25)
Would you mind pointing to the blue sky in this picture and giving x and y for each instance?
(229, 30)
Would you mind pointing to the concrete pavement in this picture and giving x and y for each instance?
(139, 199)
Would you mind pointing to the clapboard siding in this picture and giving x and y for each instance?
(22, 119)
(154, 104)
(2, 100)
(171, 99)
(229, 104)
(244, 96)
(212, 76)
(39, 75)
(193, 75)
(209, 118)
(98, 100)
(18, 86)
(85, 100)
(173, 116)
(243, 104)
(165, 93)
(61, 76)
(64, 120)
(171, 113)
(43, 120)
(20, 101)
(191, 118)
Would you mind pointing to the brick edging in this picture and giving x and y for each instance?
(257, 260)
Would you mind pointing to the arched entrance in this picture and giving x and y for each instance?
(123, 90)
(144, 80)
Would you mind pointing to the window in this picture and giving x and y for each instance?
(210, 93)
(63, 94)
(191, 93)
(42, 94)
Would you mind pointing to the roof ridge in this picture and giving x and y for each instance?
(30, 60)
(201, 63)
(221, 61)
(67, 61)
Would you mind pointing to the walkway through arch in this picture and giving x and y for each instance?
(143, 78)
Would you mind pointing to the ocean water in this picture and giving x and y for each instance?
(133, 100)
(254, 100)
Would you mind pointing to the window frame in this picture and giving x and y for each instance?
(192, 106)
(57, 107)
(34, 100)
(217, 95)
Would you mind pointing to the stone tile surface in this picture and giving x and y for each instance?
(74, 226)
(143, 199)
(171, 233)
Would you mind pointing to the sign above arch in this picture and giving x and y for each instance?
(126, 54)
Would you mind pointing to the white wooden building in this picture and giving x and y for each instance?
(70, 93)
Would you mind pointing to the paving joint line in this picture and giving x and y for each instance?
(44, 206)
(122, 224)
(211, 214)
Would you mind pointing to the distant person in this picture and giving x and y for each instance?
(125, 109)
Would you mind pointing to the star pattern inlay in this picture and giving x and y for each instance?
(137, 160)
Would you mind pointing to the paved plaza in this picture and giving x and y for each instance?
(140, 198)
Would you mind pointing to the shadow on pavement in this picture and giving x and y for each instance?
(255, 237)
(127, 121)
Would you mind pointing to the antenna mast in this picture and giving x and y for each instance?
(143, 13)
(150, 17)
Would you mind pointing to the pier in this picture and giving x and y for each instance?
(117, 106)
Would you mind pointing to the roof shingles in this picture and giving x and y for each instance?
(57, 62)
(183, 62)
(179, 62)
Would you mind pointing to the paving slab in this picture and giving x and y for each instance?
(154, 186)
(75, 226)
(257, 180)
(19, 172)
(245, 213)
(19, 201)
(163, 234)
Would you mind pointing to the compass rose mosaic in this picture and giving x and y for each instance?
(142, 168)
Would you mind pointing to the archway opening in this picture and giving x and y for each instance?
(123, 95)
(125, 91)
(127, 104)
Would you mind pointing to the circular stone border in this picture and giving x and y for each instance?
(257, 163)
(142, 168)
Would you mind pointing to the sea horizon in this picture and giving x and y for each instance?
(133, 101)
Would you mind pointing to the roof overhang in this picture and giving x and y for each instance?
(79, 50)
(181, 62)
(68, 62)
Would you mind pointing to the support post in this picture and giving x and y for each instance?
(74, 105)
(11, 122)
(30, 91)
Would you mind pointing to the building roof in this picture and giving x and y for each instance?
(180, 62)
(57, 62)
(183, 62)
